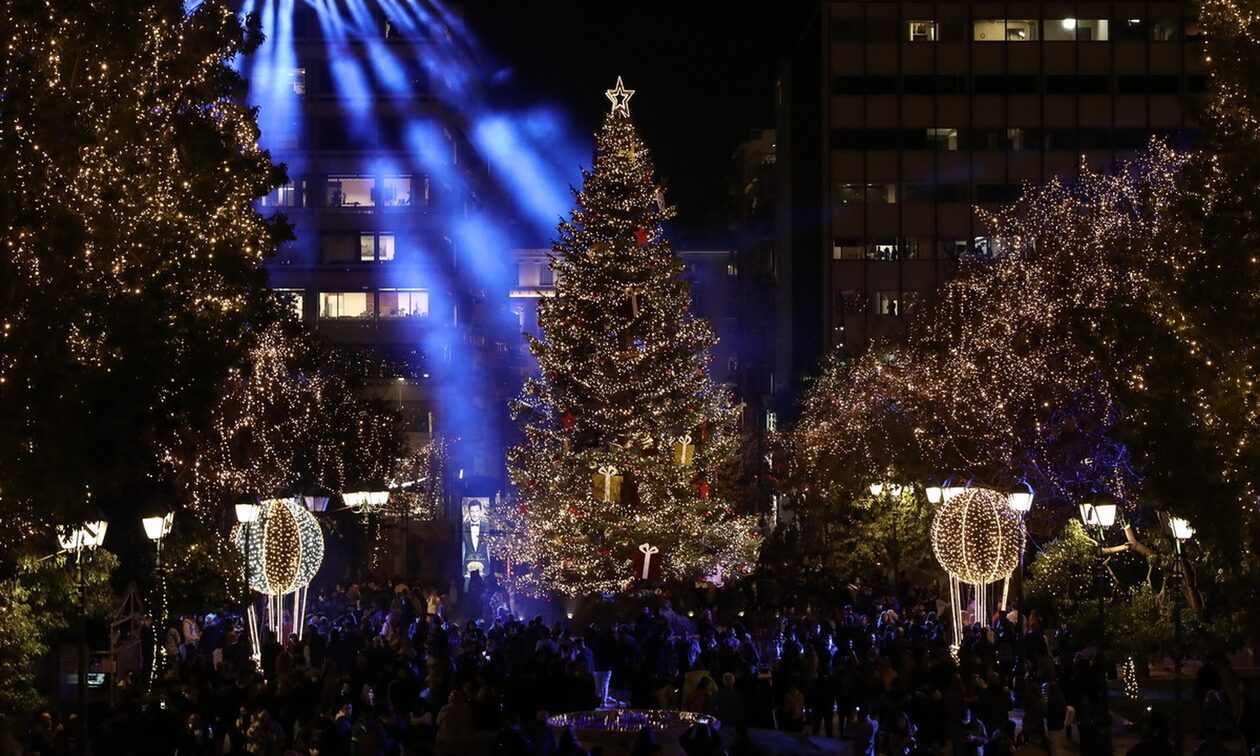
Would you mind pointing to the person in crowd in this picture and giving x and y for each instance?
(382, 667)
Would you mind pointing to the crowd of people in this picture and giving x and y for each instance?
(382, 669)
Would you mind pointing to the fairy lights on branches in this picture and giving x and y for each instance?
(626, 431)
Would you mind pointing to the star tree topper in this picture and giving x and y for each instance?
(620, 98)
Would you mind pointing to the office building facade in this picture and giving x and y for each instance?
(898, 119)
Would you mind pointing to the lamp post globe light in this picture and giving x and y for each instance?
(1181, 531)
(157, 527)
(365, 502)
(82, 540)
(1021, 503)
(1098, 516)
(247, 511)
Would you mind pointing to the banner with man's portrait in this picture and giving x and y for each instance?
(475, 535)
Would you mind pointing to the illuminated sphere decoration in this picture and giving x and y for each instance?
(976, 536)
(284, 547)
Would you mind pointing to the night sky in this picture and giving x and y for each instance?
(703, 73)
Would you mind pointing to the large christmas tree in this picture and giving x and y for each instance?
(626, 434)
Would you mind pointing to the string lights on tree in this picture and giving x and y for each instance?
(625, 430)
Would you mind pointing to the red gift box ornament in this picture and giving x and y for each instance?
(704, 490)
(641, 236)
(647, 565)
(567, 421)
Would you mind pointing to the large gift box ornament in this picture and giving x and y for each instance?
(606, 484)
(647, 562)
(684, 450)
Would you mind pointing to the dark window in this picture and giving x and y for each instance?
(1095, 84)
(1196, 83)
(1165, 85)
(1131, 84)
(952, 31)
(1130, 139)
(1022, 84)
(864, 85)
(848, 85)
(990, 85)
(1060, 139)
(997, 193)
(1093, 139)
(334, 134)
(915, 139)
(1135, 29)
(919, 193)
(935, 193)
(948, 85)
(882, 139)
(919, 85)
(848, 139)
(986, 139)
(881, 29)
(1058, 85)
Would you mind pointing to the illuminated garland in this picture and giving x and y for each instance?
(623, 388)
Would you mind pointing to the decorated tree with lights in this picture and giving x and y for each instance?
(131, 276)
(286, 419)
(625, 430)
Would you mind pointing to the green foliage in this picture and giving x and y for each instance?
(1139, 624)
(204, 571)
(37, 604)
(880, 535)
(1062, 580)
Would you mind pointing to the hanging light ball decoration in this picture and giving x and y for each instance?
(284, 546)
(976, 536)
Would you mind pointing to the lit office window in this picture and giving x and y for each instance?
(1078, 30)
(943, 140)
(403, 303)
(396, 191)
(297, 80)
(886, 302)
(346, 304)
(1006, 30)
(385, 247)
(350, 191)
(884, 249)
(281, 196)
(921, 31)
(849, 248)
(367, 247)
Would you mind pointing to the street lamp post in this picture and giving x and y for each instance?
(247, 511)
(156, 528)
(1100, 516)
(365, 503)
(1181, 532)
(82, 540)
(1021, 503)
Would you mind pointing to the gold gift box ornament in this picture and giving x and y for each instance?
(606, 484)
(684, 451)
